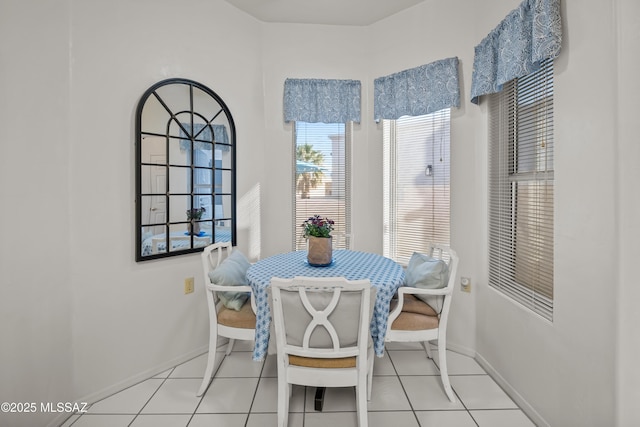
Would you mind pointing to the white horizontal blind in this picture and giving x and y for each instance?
(521, 190)
(416, 184)
(321, 181)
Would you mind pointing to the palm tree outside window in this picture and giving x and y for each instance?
(321, 184)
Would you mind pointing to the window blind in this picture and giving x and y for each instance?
(416, 184)
(521, 190)
(322, 181)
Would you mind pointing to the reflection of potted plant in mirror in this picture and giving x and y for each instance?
(193, 215)
(317, 231)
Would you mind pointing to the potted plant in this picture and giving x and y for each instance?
(194, 215)
(317, 231)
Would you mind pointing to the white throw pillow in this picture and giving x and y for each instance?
(232, 272)
(425, 272)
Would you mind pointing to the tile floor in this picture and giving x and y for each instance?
(406, 392)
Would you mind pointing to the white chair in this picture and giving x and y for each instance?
(322, 337)
(413, 320)
(156, 242)
(342, 240)
(224, 322)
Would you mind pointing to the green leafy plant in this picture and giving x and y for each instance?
(318, 227)
(195, 213)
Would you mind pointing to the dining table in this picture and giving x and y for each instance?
(383, 273)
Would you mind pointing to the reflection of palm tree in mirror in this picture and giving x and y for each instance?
(310, 176)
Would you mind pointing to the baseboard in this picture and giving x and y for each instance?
(512, 392)
(131, 381)
(465, 351)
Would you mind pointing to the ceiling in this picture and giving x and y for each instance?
(332, 12)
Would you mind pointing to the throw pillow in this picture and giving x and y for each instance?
(425, 272)
(232, 272)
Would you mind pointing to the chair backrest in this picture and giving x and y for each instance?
(211, 257)
(342, 240)
(449, 256)
(322, 317)
(156, 242)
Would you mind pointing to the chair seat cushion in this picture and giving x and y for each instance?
(316, 362)
(245, 318)
(411, 304)
(414, 322)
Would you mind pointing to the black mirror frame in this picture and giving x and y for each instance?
(139, 135)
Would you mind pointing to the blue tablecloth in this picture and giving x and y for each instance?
(385, 275)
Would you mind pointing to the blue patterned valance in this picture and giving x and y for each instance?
(321, 101)
(220, 136)
(515, 48)
(418, 91)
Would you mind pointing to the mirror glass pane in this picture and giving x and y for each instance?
(223, 231)
(202, 181)
(179, 237)
(176, 97)
(154, 210)
(179, 151)
(152, 179)
(223, 156)
(154, 149)
(206, 203)
(154, 117)
(203, 102)
(224, 206)
(179, 180)
(178, 207)
(223, 182)
(203, 155)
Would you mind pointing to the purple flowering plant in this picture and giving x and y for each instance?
(318, 227)
(195, 213)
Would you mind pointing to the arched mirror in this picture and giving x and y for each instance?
(186, 174)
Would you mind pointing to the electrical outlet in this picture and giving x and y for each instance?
(188, 285)
(465, 284)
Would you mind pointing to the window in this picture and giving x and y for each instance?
(521, 187)
(321, 184)
(416, 184)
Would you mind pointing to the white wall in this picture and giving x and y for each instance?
(69, 92)
(35, 264)
(628, 340)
